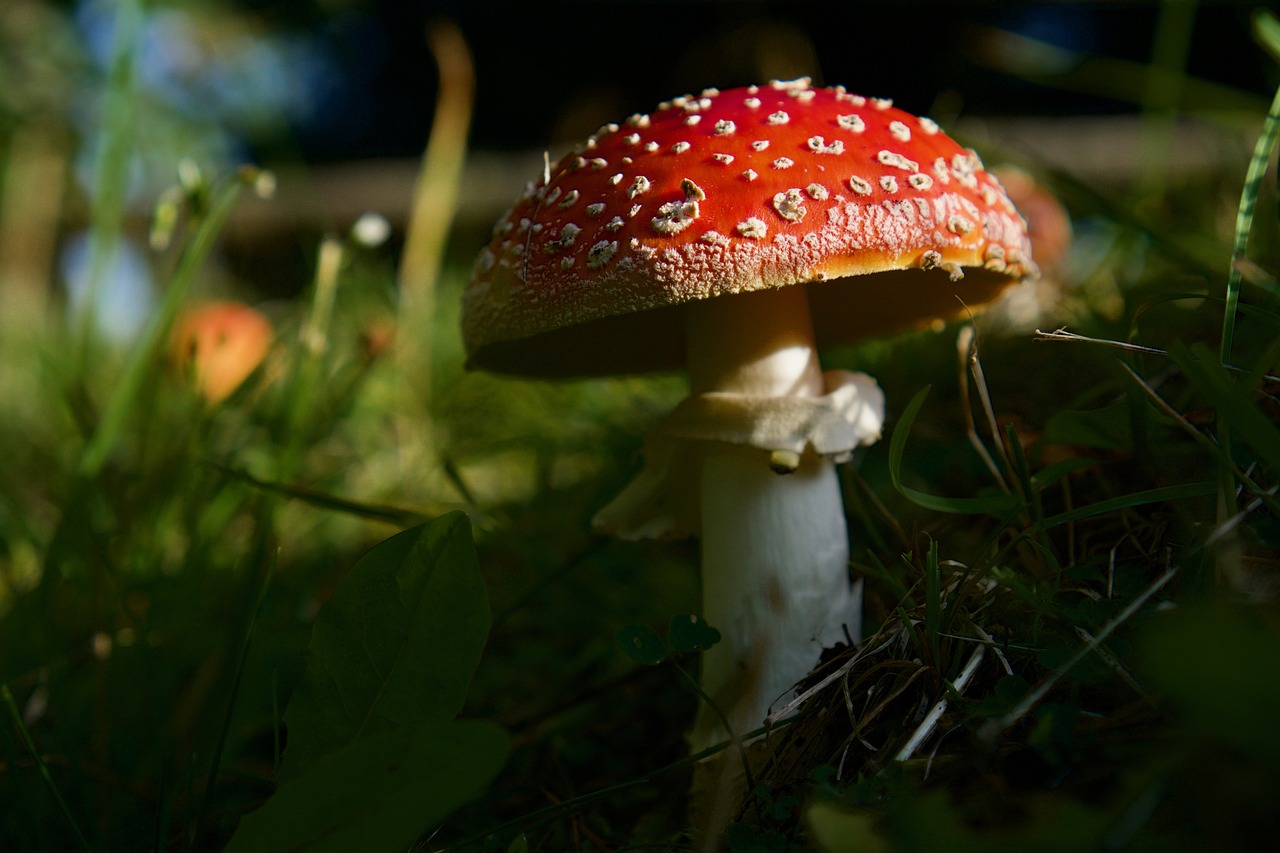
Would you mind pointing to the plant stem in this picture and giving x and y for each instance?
(142, 361)
(216, 762)
(1244, 219)
(724, 721)
(29, 742)
(111, 171)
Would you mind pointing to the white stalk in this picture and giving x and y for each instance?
(774, 546)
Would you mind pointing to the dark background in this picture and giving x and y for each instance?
(552, 71)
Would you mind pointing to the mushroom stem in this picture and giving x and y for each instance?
(774, 546)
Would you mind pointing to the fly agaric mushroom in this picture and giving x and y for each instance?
(732, 233)
(220, 344)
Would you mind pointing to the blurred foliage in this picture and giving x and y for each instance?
(1089, 602)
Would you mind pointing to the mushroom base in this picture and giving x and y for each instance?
(775, 583)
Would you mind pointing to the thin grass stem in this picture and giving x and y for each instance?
(81, 841)
(1162, 93)
(225, 730)
(968, 353)
(111, 169)
(1244, 219)
(736, 741)
(993, 728)
(143, 360)
(1267, 496)
(933, 603)
(434, 204)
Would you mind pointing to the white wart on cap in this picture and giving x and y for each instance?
(890, 222)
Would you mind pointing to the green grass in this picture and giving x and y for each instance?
(1072, 633)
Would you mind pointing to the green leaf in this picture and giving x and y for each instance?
(689, 632)
(375, 756)
(1150, 496)
(396, 646)
(641, 644)
(1000, 505)
(378, 793)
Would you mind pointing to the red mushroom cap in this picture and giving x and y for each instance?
(732, 192)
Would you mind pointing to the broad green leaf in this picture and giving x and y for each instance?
(996, 505)
(641, 644)
(689, 632)
(377, 793)
(396, 646)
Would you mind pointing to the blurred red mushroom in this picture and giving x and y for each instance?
(1049, 230)
(732, 233)
(218, 345)
(1048, 224)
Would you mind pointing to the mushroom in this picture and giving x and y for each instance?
(732, 233)
(219, 345)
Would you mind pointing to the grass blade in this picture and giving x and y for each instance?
(216, 762)
(992, 729)
(1244, 219)
(996, 505)
(1150, 496)
(933, 604)
(81, 841)
(142, 361)
(1234, 407)
(398, 516)
(111, 168)
(1266, 29)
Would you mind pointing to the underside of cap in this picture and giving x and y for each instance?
(844, 310)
